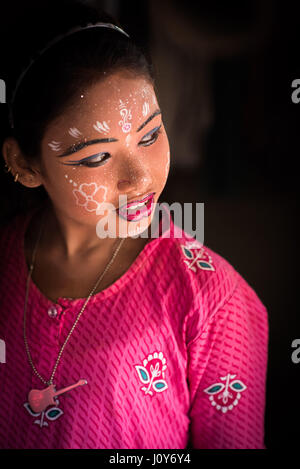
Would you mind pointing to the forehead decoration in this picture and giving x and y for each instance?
(146, 109)
(74, 132)
(126, 115)
(101, 127)
(55, 146)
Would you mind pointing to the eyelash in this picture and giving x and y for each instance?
(154, 136)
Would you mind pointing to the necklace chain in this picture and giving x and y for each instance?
(77, 318)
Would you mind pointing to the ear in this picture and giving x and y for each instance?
(25, 172)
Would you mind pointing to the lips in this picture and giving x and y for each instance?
(132, 212)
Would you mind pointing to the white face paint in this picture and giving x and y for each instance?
(101, 127)
(70, 180)
(115, 111)
(126, 115)
(55, 146)
(127, 140)
(87, 194)
(167, 167)
(146, 109)
(74, 132)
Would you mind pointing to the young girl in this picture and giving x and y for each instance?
(121, 341)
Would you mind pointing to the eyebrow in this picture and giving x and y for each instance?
(79, 146)
(155, 113)
(76, 147)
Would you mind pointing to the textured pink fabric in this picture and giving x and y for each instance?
(201, 327)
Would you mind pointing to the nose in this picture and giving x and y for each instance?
(137, 181)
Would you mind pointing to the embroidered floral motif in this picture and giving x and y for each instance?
(51, 414)
(196, 256)
(153, 367)
(224, 396)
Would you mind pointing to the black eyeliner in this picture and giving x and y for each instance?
(77, 163)
(152, 131)
(155, 130)
(156, 113)
(88, 157)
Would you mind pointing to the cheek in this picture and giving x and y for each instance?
(90, 196)
(70, 180)
(156, 158)
(87, 191)
(78, 188)
(167, 167)
(161, 155)
(164, 152)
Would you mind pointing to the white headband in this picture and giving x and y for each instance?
(50, 44)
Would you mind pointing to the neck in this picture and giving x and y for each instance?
(72, 238)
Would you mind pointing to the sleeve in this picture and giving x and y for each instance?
(227, 363)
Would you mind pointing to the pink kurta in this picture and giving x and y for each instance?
(174, 353)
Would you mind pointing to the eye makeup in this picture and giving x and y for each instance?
(79, 146)
(151, 136)
(86, 161)
(147, 140)
(155, 113)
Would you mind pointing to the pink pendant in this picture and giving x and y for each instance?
(40, 399)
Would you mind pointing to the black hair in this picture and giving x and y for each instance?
(56, 75)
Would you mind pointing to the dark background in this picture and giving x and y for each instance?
(224, 74)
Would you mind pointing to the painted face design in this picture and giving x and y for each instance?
(108, 157)
(55, 146)
(101, 127)
(74, 132)
(87, 194)
(167, 167)
(146, 109)
(126, 116)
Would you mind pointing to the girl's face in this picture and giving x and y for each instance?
(111, 142)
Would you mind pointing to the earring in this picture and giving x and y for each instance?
(7, 168)
(16, 177)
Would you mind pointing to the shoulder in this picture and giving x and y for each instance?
(198, 268)
(205, 273)
(208, 282)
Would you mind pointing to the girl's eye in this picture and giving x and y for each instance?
(92, 161)
(150, 137)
